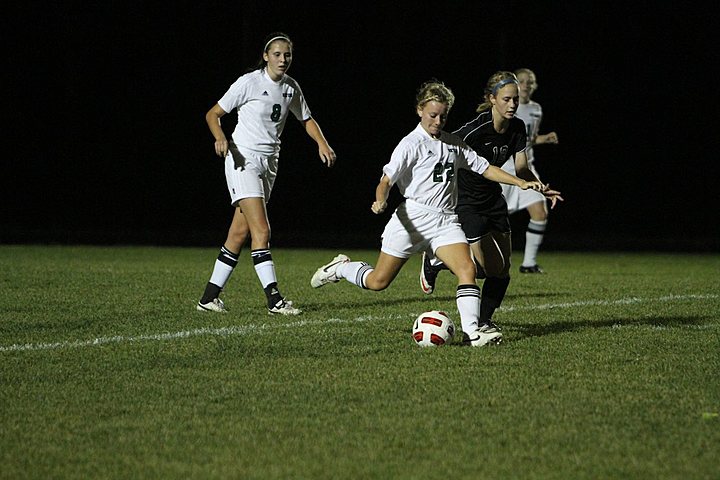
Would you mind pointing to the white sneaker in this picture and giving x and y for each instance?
(216, 305)
(284, 307)
(327, 273)
(487, 333)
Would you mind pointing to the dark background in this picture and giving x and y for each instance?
(106, 141)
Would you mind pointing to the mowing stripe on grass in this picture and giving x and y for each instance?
(245, 329)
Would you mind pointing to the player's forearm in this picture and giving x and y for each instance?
(526, 174)
(382, 191)
(213, 121)
(313, 129)
(499, 175)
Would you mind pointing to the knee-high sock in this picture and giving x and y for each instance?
(354, 272)
(493, 292)
(467, 298)
(265, 269)
(533, 239)
(224, 266)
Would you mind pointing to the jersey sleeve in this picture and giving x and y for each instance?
(235, 96)
(399, 162)
(475, 162)
(298, 105)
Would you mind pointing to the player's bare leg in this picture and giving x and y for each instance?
(385, 271)
(359, 273)
(255, 213)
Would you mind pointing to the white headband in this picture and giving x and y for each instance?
(275, 38)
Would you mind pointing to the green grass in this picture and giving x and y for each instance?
(609, 369)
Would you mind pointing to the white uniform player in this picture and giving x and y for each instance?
(517, 199)
(263, 99)
(424, 166)
(427, 218)
(531, 113)
(262, 105)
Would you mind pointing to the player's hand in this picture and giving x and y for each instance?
(221, 148)
(551, 137)
(327, 155)
(553, 195)
(534, 185)
(378, 207)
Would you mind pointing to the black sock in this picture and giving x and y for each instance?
(493, 292)
(273, 294)
(212, 291)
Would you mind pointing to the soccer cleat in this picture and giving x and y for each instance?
(284, 307)
(534, 269)
(215, 305)
(487, 334)
(327, 273)
(428, 275)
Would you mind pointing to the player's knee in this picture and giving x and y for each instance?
(376, 282)
(237, 235)
(261, 234)
(465, 270)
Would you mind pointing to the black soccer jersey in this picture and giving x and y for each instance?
(480, 135)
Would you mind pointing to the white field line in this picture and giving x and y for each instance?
(255, 328)
(622, 301)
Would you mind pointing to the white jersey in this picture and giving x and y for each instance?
(424, 168)
(516, 198)
(531, 114)
(262, 106)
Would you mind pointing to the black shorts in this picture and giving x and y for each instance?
(478, 222)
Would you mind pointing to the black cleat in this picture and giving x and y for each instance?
(534, 269)
(428, 275)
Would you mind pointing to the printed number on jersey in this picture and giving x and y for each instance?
(443, 172)
(276, 111)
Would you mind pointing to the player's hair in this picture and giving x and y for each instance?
(528, 72)
(269, 40)
(434, 90)
(495, 83)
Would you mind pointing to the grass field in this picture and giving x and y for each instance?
(609, 370)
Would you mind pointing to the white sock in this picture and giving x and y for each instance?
(533, 239)
(354, 272)
(224, 266)
(467, 298)
(264, 266)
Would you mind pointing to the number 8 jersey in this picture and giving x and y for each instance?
(262, 106)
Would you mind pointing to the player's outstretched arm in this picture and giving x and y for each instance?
(499, 175)
(327, 154)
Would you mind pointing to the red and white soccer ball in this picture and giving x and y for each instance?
(433, 329)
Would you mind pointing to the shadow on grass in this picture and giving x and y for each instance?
(440, 302)
(524, 331)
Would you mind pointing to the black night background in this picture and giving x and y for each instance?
(106, 141)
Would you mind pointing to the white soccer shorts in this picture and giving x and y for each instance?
(412, 229)
(249, 174)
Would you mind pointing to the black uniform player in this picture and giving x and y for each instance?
(496, 135)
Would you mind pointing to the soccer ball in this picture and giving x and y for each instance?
(433, 329)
